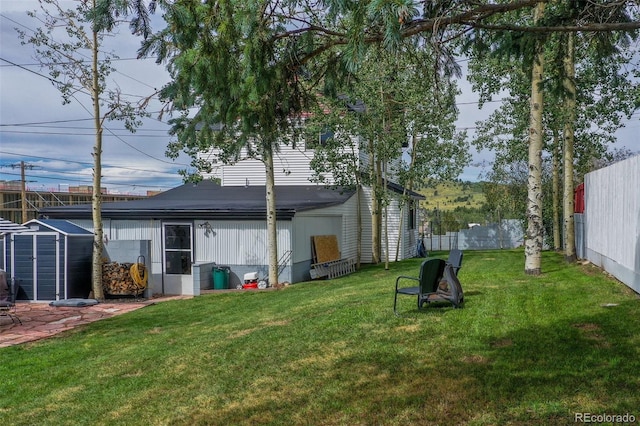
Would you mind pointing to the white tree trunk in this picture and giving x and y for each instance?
(412, 161)
(376, 220)
(272, 223)
(534, 235)
(359, 224)
(96, 200)
(569, 84)
(557, 240)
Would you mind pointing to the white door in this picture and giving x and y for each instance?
(177, 258)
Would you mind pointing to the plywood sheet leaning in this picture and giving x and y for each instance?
(325, 248)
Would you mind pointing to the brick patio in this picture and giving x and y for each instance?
(40, 320)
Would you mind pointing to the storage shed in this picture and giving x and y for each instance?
(51, 261)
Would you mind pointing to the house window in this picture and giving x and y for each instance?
(177, 249)
(412, 215)
(314, 139)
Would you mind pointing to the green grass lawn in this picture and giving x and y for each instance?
(524, 350)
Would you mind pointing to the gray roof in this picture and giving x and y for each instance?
(57, 225)
(208, 200)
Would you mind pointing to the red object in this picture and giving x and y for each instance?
(250, 284)
(578, 206)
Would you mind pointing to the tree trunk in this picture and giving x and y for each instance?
(359, 224)
(555, 173)
(96, 200)
(401, 223)
(386, 219)
(534, 235)
(569, 84)
(272, 230)
(414, 143)
(375, 209)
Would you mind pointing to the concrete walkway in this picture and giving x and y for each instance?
(39, 320)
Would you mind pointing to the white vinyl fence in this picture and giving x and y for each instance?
(612, 220)
(508, 234)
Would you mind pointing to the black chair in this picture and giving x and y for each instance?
(455, 260)
(431, 270)
(8, 295)
(452, 293)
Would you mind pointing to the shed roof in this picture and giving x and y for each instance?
(208, 200)
(58, 225)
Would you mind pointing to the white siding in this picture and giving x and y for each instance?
(612, 219)
(238, 242)
(131, 230)
(291, 167)
(350, 228)
(392, 165)
(121, 229)
(367, 234)
(156, 249)
(306, 227)
(337, 220)
(408, 237)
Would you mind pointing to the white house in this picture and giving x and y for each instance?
(192, 228)
(292, 167)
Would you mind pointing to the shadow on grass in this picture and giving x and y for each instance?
(586, 364)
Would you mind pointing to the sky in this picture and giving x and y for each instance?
(56, 141)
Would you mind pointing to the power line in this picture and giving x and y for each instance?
(46, 122)
(83, 163)
(36, 123)
(56, 178)
(89, 112)
(75, 128)
(33, 72)
(82, 90)
(104, 128)
(79, 53)
(139, 150)
(36, 175)
(33, 132)
(112, 60)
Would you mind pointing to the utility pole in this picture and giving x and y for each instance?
(23, 191)
(23, 187)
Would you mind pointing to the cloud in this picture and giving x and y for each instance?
(58, 140)
(61, 146)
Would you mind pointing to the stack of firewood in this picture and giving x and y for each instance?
(117, 281)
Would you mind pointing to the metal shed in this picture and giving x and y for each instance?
(51, 261)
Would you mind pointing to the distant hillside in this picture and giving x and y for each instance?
(449, 195)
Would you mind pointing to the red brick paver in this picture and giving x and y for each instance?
(40, 320)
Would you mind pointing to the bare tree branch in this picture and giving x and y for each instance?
(592, 27)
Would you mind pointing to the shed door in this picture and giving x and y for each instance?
(35, 265)
(177, 257)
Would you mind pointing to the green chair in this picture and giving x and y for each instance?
(453, 292)
(455, 259)
(431, 271)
